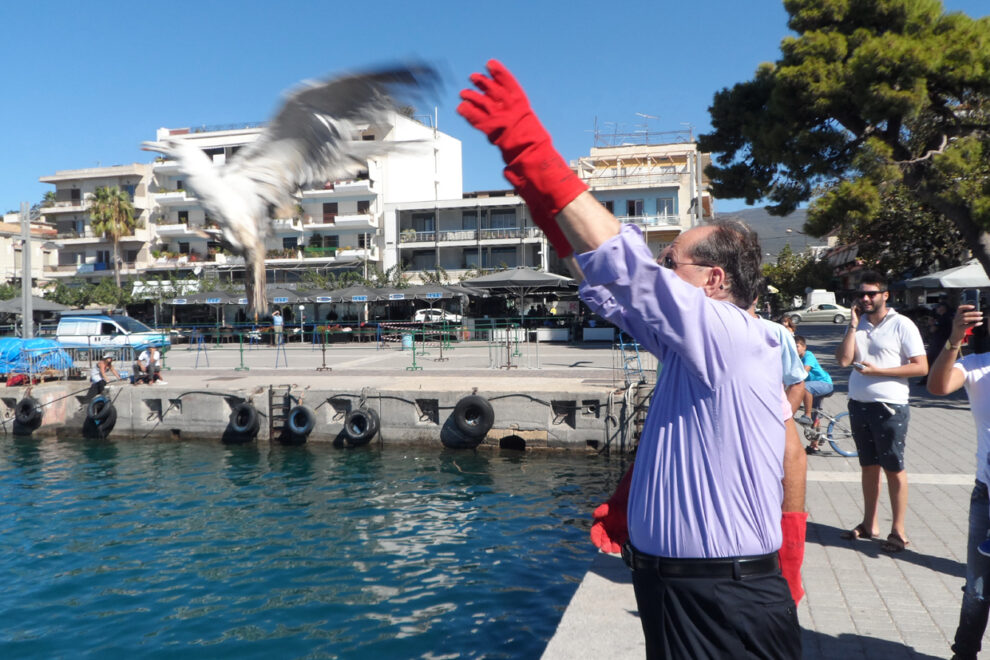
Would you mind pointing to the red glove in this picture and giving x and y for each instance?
(794, 525)
(533, 166)
(610, 532)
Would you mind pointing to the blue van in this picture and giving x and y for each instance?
(86, 329)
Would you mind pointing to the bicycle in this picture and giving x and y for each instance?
(838, 433)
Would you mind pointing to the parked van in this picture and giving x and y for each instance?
(95, 330)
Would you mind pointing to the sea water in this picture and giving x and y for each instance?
(123, 549)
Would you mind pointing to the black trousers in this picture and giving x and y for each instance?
(702, 617)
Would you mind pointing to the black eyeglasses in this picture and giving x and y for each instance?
(668, 262)
(860, 294)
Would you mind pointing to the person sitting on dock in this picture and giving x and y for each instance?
(99, 375)
(704, 512)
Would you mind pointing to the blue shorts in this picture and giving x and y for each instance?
(879, 430)
(818, 387)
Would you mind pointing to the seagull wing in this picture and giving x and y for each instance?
(310, 139)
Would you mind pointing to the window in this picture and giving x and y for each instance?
(129, 189)
(290, 243)
(103, 256)
(609, 206)
(423, 261)
(178, 184)
(184, 217)
(363, 241)
(502, 219)
(108, 329)
(665, 207)
(329, 212)
(503, 255)
(422, 221)
(363, 206)
(75, 194)
(184, 248)
(634, 207)
(469, 220)
(471, 258)
(131, 256)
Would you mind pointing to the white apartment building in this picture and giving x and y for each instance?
(81, 252)
(481, 230)
(407, 208)
(335, 225)
(657, 185)
(44, 250)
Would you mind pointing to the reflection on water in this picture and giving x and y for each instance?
(112, 549)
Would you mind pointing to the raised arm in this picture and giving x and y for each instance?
(943, 379)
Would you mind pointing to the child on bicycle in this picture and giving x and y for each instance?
(818, 384)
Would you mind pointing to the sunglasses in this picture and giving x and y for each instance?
(668, 262)
(860, 294)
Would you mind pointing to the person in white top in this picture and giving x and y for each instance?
(885, 349)
(947, 375)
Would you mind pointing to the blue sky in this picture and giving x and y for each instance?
(86, 82)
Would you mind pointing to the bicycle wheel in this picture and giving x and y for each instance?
(840, 435)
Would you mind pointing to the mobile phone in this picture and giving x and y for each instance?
(972, 297)
(858, 366)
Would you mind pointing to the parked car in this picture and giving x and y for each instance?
(100, 331)
(823, 312)
(435, 316)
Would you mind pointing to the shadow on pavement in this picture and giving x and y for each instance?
(827, 535)
(847, 645)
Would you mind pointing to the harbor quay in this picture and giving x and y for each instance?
(522, 395)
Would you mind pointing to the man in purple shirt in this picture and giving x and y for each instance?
(705, 500)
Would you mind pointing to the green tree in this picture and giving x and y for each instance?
(904, 238)
(873, 98)
(48, 200)
(794, 273)
(112, 217)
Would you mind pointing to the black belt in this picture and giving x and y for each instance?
(721, 567)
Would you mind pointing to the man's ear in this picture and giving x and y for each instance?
(717, 279)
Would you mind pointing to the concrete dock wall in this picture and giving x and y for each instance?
(584, 420)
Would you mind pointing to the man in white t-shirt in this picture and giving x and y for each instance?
(947, 376)
(885, 349)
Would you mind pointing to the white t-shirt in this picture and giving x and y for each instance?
(144, 359)
(892, 343)
(976, 368)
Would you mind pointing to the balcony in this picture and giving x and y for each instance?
(319, 252)
(453, 235)
(287, 225)
(178, 230)
(651, 220)
(175, 198)
(166, 167)
(356, 221)
(348, 187)
(73, 206)
(604, 181)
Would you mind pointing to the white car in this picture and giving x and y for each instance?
(823, 312)
(435, 316)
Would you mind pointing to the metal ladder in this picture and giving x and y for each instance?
(279, 404)
(632, 366)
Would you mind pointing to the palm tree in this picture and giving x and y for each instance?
(112, 216)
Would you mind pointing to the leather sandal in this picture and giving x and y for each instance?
(858, 532)
(894, 543)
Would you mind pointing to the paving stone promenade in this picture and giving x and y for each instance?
(861, 602)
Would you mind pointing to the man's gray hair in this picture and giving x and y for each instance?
(735, 247)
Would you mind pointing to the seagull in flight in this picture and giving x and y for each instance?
(313, 138)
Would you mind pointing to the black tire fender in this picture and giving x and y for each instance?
(28, 412)
(360, 425)
(301, 420)
(99, 409)
(474, 416)
(244, 419)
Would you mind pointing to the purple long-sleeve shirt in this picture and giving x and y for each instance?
(707, 477)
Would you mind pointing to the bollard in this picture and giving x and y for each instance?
(240, 342)
(414, 367)
(324, 367)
